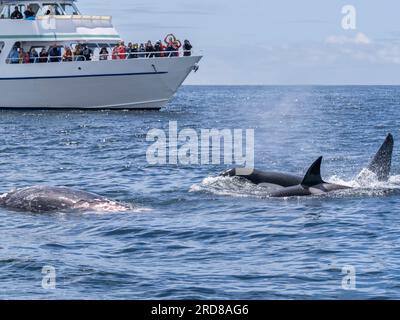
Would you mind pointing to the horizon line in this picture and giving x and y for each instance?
(290, 85)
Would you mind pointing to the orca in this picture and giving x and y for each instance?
(382, 161)
(312, 184)
(287, 185)
(43, 199)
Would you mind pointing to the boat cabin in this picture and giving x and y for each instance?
(38, 8)
(40, 25)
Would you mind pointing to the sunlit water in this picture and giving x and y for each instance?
(191, 234)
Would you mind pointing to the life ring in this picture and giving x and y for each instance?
(170, 38)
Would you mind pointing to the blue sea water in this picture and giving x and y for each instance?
(191, 235)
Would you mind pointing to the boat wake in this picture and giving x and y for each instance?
(365, 184)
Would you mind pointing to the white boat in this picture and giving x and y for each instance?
(137, 81)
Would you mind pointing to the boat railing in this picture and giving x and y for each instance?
(46, 59)
(63, 17)
(74, 17)
(100, 57)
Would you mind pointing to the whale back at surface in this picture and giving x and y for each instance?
(46, 199)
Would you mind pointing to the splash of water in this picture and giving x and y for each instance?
(110, 207)
(230, 186)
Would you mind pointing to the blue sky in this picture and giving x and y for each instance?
(270, 41)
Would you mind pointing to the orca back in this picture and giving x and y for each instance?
(273, 178)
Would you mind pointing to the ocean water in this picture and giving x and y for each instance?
(191, 234)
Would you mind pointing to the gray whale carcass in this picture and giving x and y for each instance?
(41, 199)
(287, 185)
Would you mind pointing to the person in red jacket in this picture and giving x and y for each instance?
(122, 51)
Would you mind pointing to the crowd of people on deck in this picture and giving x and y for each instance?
(53, 54)
(170, 48)
(85, 52)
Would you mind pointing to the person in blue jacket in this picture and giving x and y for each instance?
(29, 14)
(14, 55)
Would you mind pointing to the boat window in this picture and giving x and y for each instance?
(69, 9)
(14, 55)
(53, 8)
(1, 47)
(5, 14)
(95, 50)
(6, 11)
(92, 45)
(112, 45)
(20, 6)
(34, 7)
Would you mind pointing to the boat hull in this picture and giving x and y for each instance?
(118, 84)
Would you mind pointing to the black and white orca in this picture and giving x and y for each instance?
(288, 185)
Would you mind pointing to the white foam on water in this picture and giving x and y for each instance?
(103, 207)
(230, 186)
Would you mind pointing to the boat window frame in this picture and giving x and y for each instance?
(71, 4)
(32, 4)
(16, 46)
(2, 44)
(5, 12)
(10, 9)
(55, 5)
(58, 8)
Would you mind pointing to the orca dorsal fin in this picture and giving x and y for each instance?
(313, 175)
(382, 161)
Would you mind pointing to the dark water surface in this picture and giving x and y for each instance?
(194, 236)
